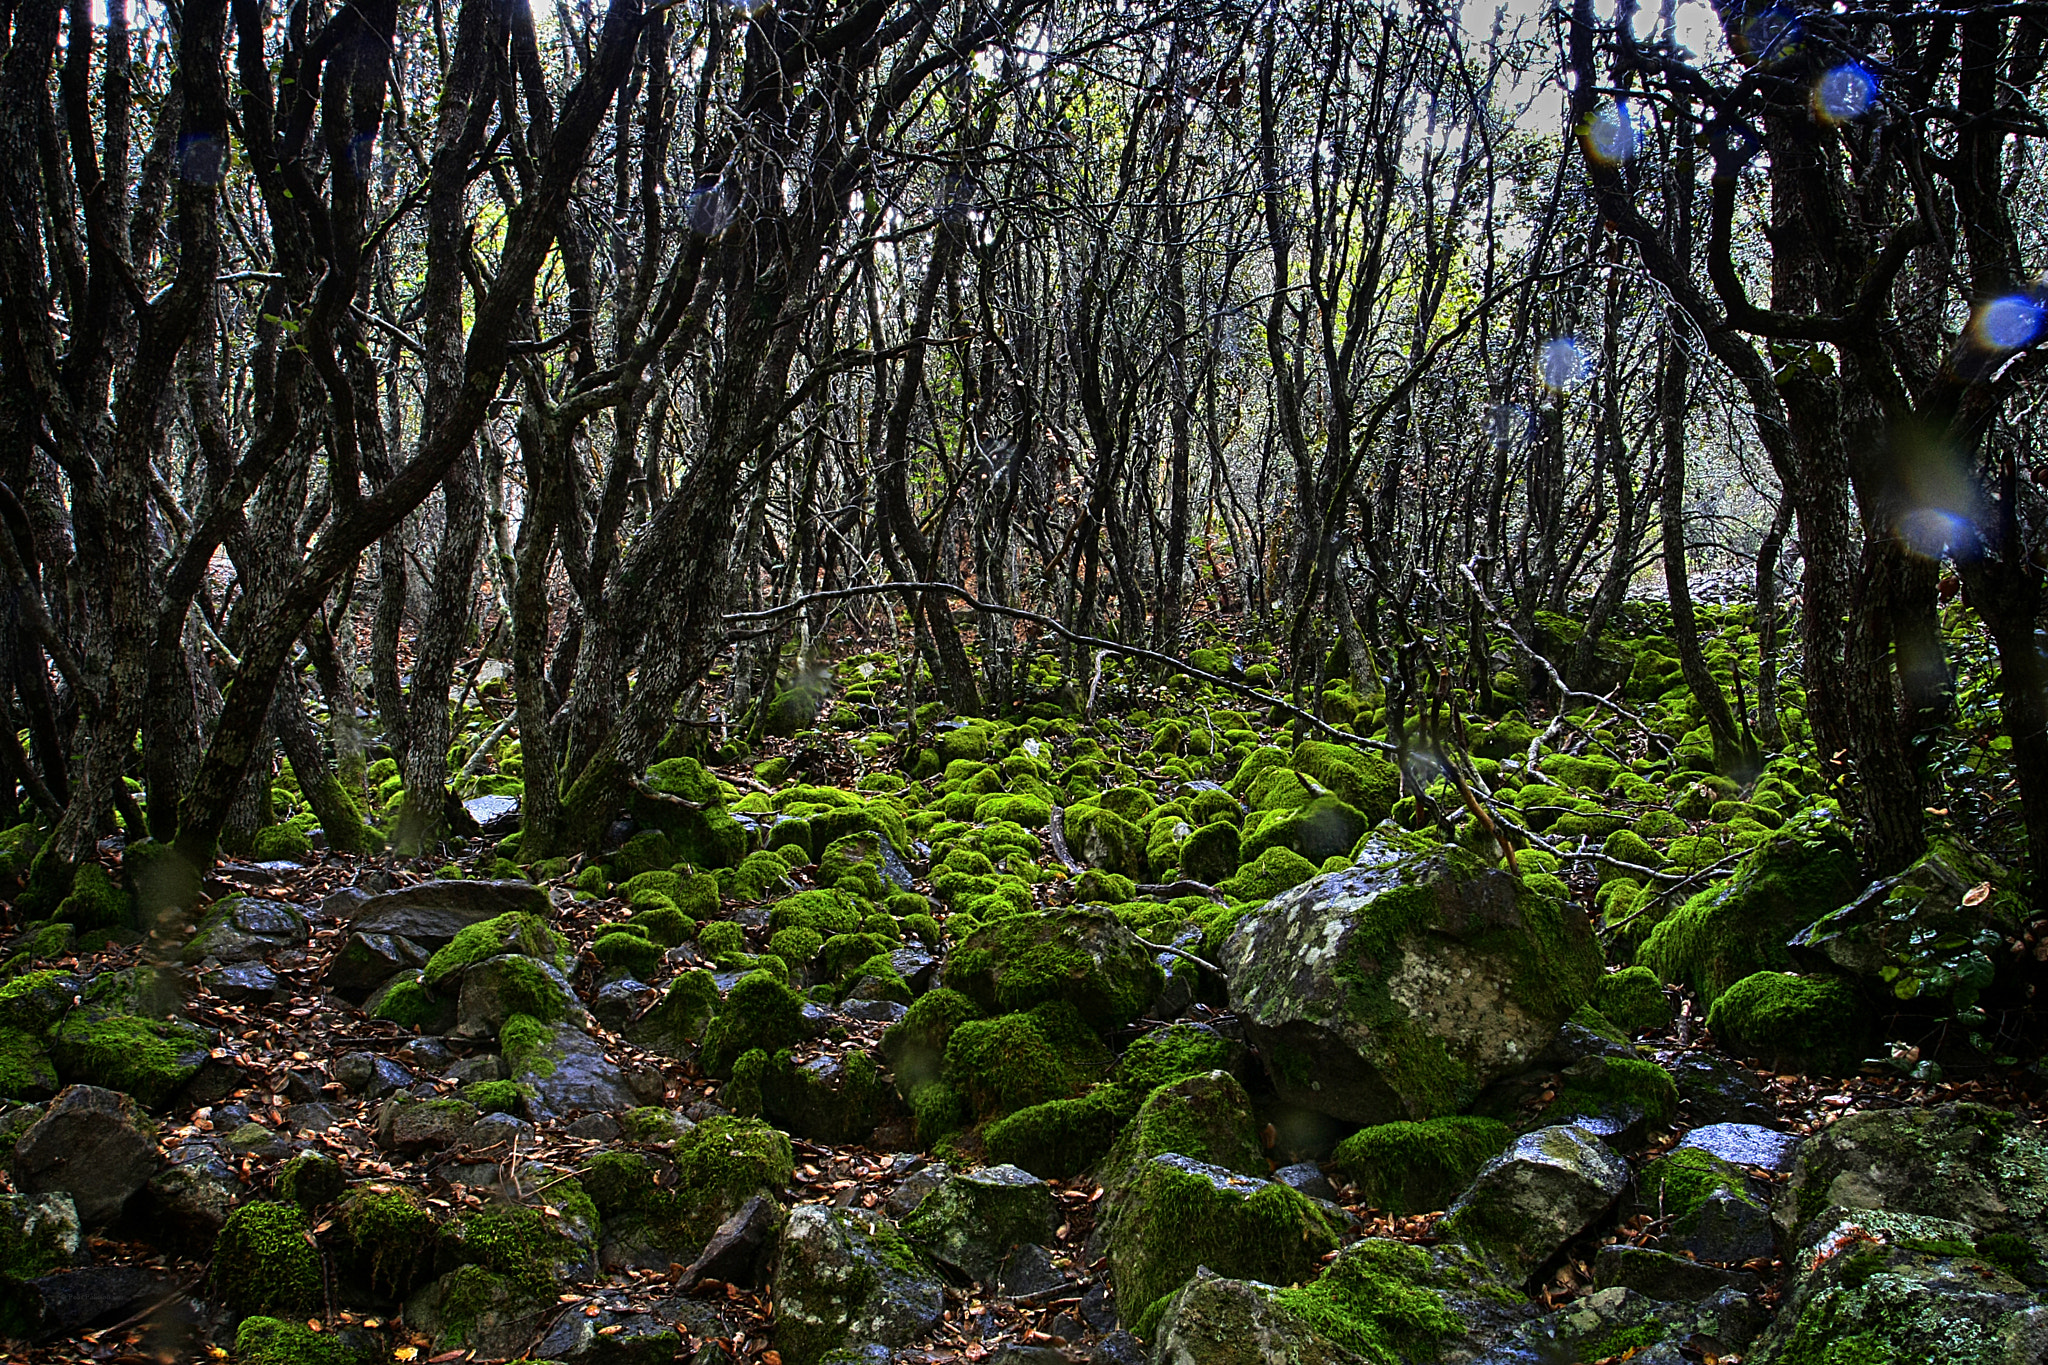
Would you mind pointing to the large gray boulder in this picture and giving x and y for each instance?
(92, 1144)
(972, 1220)
(432, 913)
(1398, 988)
(1528, 1203)
(567, 1071)
(844, 1277)
(1215, 1321)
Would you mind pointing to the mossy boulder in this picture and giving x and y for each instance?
(1366, 782)
(1177, 1213)
(519, 933)
(1059, 1139)
(833, 1098)
(264, 1262)
(1932, 933)
(384, 1238)
(1325, 828)
(1709, 1210)
(1276, 870)
(146, 1058)
(1528, 1203)
(1407, 1168)
(760, 1012)
(679, 1019)
(262, 1340)
(1799, 1023)
(1175, 1053)
(1022, 1059)
(1104, 839)
(1212, 852)
(26, 1071)
(1206, 1118)
(914, 1047)
(845, 1280)
(1083, 957)
(1634, 1000)
(1399, 987)
(1741, 926)
(973, 1219)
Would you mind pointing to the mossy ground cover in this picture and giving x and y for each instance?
(920, 867)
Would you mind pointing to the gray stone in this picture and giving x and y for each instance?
(499, 987)
(972, 1220)
(91, 1144)
(370, 1075)
(496, 816)
(610, 1338)
(485, 1066)
(499, 1317)
(499, 1131)
(1663, 1276)
(312, 1117)
(1028, 1272)
(1745, 1144)
(245, 928)
(344, 903)
(1118, 1348)
(1714, 1090)
(595, 1127)
(367, 961)
(843, 1278)
(192, 1198)
(70, 1301)
(1308, 1178)
(738, 1252)
(905, 1198)
(1480, 982)
(432, 913)
(874, 1011)
(244, 983)
(408, 1125)
(1967, 1163)
(570, 1073)
(618, 1003)
(1528, 1203)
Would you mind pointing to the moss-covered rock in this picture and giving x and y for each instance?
(1175, 1053)
(1102, 838)
(517, 933)
(1366, 782)
(1407, 1168)
(973, 1219)
(1397, 988)
(1206, 1118)
(833, 1098)
(264, 1262)
(675, 1024)
(1741, 926)
(1324, 828)
(1177, 1214)
(1802, 1023)
(1022, 1059)
(311, 1179)
(95, 902)
(1083, 957)
(384, 1238)
(26, 1071)
(1060, 1139)
(761, 1012)
(272, 1341)
(848, 1280)
(1529, 1202)
(147, 1058)
(914, 1047)
(1272, 872)
(1634, 999)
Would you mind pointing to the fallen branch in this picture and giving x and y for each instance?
(1179, 952)
(1058, 628)
(1056, 826)
(646, 789)
(1184, 887)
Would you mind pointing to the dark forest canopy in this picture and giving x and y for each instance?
(347, 349)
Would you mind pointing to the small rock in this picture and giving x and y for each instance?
(432, 913)
(1717, 1091)
(1746, 1144)
(618, 1003)
(91, 1144)
(74, 1300)
(246, 928)
(343, 904)
(499, 987)
(192, 1198)
(38, 1233)
(485, 1066)
(1660, 1275)
(367, 961)
(313, 1117)
(1024, 1353)
(1531, 1200)
(839, 1282)
(1028, 1272)
(874, 1011)
(570, 1073)
(598, 1127)
(609, 1338)
(1118, 1348)
(1097, 1309)
(494, 1132)
(426, 1054)
(1308, 1178)
(738, 1252)
(408, 1125)
(370, 1074)
(244, 983)
(905, 1198)
(1215, 1321)
(496, 817)
(973, 1219)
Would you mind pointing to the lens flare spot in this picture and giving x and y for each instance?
(1610, 135)
(1844, 94)
(1933, 531)
(2010, 323)
(1563, 364)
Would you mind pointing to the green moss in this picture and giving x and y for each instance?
(1365, 782)
(681, 1017)
(263, 1261)
(1677, 1185)
(1606, 1085)
(1619, 1343)
(1274, 871)
(591, 881)
(1060, 1138)
(1206, 1118)
(915, 1045)
(620, 947)
(386, 1237)
(511, 1241)
(272, 1341)
(517, 932)
(524, 1041)
(1017, 1061)
(761, 1012)
(1634, 999)
(1407, 1168)
(1175, 1219)
(727, 1158)
(148, 1058)
(1081, 956)
(1375, 1300)
(1733, 930)
(796, 943)
(310, 1179)
(26, 1071)
(823, 911)
(95, 902)
(1171, 1054)
(496, 1097)
(1799, 1022)
(409, 1004)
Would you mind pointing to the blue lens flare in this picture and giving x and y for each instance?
(1563, 364)
(1844, 94)
(2011, 322)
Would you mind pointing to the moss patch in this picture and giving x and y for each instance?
(263, 1261)
(1407, 1168)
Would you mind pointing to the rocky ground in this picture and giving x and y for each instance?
(1039, 1043)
